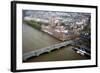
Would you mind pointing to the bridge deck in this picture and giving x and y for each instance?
(46, 49)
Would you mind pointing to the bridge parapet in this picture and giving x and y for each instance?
(46, 49)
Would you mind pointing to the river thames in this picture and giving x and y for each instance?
(33, 39)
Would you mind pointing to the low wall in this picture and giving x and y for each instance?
(43, 50)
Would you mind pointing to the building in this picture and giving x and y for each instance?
(57, 30)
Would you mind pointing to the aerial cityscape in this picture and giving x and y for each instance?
(55, 36)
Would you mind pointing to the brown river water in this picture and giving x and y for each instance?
(33, 39)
